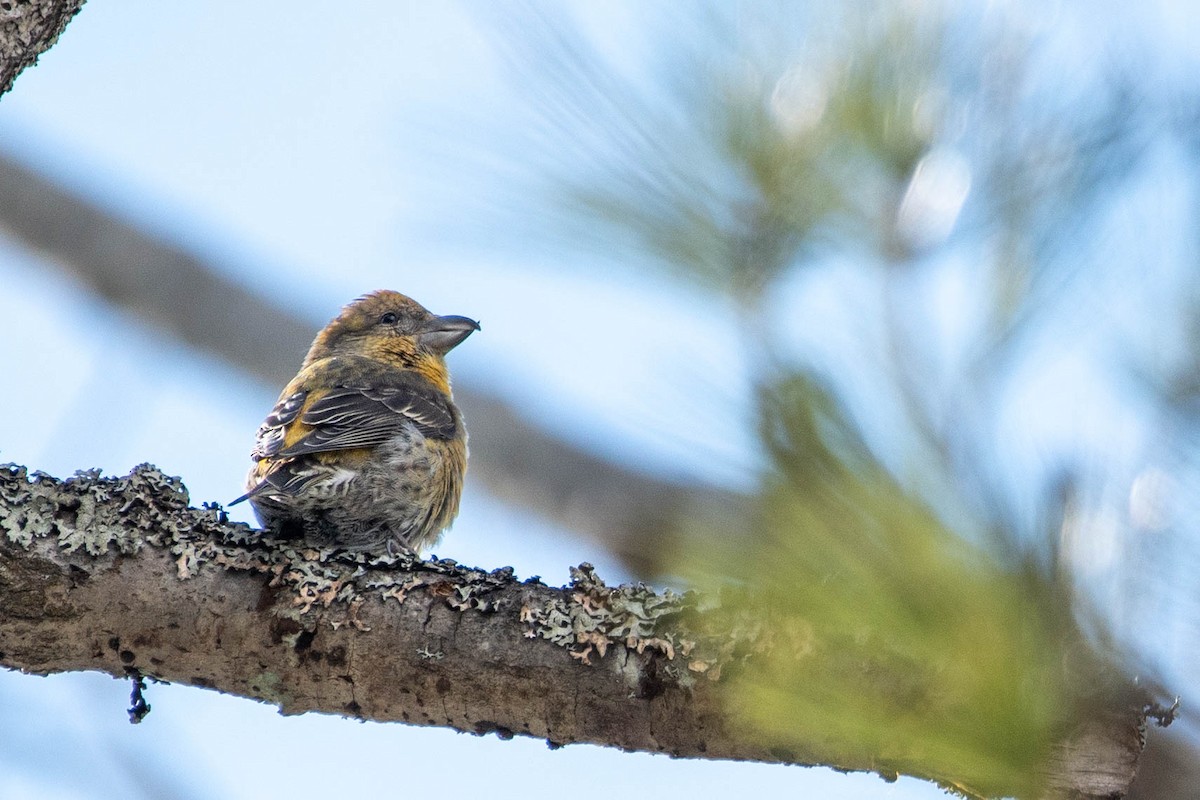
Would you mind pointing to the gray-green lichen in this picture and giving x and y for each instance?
(595, 616)
(106, 516)
(100, 515)
(592, 617)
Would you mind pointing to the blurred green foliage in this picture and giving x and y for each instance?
(903, 647)
(932, 625)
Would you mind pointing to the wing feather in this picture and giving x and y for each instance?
(272, 434)
(350, 417)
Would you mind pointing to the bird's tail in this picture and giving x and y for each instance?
(255, 492)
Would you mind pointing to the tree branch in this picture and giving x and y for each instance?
(122, 576)
(119, 575)
(29, 28)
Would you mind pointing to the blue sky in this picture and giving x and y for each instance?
(302, 147)
(300, 140)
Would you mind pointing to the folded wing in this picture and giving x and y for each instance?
(351, 417)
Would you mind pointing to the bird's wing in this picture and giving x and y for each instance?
(272, 434)
(349, 417)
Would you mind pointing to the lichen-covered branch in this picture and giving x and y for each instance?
(123, 576)
(28, 28)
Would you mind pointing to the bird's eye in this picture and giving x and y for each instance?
(388, 319)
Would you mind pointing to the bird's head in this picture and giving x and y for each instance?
(395, 329)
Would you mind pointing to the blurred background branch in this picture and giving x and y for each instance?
(178, 293)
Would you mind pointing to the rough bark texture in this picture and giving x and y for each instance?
(122, 576)
(1099, 760)
(27, 29)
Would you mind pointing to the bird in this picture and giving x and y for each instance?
(365, 449)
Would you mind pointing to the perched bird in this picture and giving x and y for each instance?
(365, 448)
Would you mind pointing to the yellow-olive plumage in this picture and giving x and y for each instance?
(365, 448)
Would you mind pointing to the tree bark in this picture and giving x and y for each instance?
(124, 577)
(29, 28)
